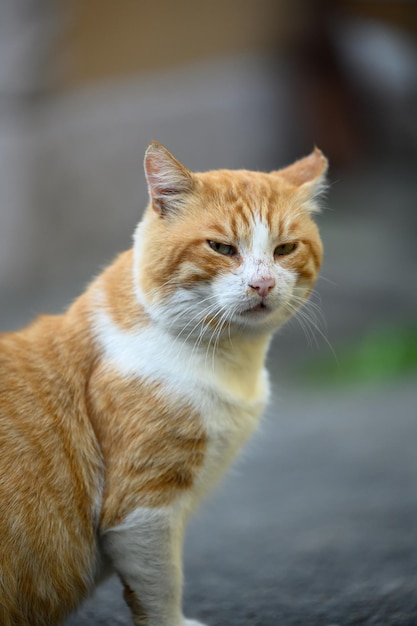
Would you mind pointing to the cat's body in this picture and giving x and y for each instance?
(116, 417)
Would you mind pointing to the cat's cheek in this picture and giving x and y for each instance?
(229, 292)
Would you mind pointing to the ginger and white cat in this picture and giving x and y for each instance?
(117, 416)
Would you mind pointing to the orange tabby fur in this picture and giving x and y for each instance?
(85, 444)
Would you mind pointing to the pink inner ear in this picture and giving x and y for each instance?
(152, 174)
(166, 176)
(305, 170)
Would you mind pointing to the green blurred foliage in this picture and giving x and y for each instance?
(382, 354)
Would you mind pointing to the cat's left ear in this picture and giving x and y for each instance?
(168, 180)
(308, 174)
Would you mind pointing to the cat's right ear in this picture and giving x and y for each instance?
(168, 180)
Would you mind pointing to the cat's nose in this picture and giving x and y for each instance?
(263, 285)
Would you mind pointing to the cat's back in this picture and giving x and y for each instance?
(24, 355)
(49, 476)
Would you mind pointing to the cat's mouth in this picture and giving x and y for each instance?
(260, 308)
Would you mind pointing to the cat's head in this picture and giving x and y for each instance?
(225, 250)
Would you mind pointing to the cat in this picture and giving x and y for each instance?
(117, 417)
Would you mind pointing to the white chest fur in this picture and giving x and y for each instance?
(228, 388)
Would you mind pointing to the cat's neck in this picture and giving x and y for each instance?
(241, 365)
(234, 360)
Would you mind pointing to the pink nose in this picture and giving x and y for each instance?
(263, 285)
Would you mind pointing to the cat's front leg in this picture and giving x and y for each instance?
(146, 553)
(139, 614)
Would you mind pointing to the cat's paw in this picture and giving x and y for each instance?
(193, 622)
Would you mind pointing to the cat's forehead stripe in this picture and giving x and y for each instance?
(254, 221)
(255, 201)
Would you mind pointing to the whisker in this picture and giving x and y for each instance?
(309, 321)
(184, 312)
(327, 280)
(313, 309)
(221, 325)
(200, 314)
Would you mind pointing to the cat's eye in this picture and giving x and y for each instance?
(284, 248)
(222, 248)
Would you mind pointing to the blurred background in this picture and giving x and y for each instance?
(86, 85)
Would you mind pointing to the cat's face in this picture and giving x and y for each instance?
(227, 250)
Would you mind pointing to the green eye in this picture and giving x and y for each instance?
(285, 248)
(222, 248)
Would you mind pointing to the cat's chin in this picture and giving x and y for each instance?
(261, 309)
(255, 317)
(261, 317)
